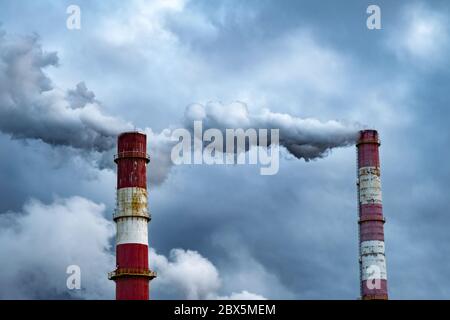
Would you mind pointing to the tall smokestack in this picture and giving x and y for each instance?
(132, 274)
(371, 221)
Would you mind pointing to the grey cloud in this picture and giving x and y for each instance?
(80, 96)
(160, 147)
(304, 138)
(299, 227)
(186, 274)
(203, 280)
(421, 36)
(44, 239)
(31, 108)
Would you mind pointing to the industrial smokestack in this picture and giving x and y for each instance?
(132, 274)
(371, 221)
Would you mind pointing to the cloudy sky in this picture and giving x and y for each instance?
(222, 231)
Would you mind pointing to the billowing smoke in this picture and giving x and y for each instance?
(303, 138)
(39, 243)
(80, 96)
(202, 283)
(186, 274)
(37, 239)
(32, 108)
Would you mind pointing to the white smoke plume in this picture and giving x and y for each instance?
(186, 274)
(32, 108)
(303, 138)
(306, 139)
(39, 243)
(203, 280)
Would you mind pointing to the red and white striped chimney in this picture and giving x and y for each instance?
(132, 274)
(371, 221)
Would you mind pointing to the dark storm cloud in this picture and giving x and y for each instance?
(414, 134)
(31, 108)
(292, 235)
(80, 98)
(40, 248)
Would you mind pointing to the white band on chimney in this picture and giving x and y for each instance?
(132, 230)
(369, 185)
(132, 202)
(372, 246)
(373, 261)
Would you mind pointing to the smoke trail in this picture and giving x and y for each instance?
(303, 138)
(184, 274)
(31, 108)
